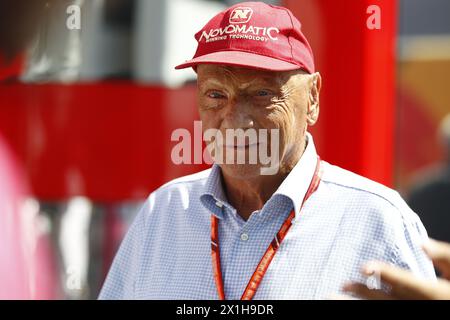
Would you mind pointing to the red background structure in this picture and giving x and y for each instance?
(356, 124)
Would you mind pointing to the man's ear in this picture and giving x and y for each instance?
(313, 99)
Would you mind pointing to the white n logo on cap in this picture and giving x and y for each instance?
(241, 15)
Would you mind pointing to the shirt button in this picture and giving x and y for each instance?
(244, 237)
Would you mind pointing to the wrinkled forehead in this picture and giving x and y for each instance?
(242, 77)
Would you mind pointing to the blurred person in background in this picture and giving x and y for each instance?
(14, 257)
(19, 22)
(77, 235)
(25, 268)
(430, 198)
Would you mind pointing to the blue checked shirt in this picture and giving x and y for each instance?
(347, 222)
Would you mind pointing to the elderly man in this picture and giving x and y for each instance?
(301, 231)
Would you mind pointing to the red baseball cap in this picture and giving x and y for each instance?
(253, 35)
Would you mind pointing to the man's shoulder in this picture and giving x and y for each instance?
(379, 216)
(371, 204)
(177, 193)
(350, 182)
(190, 180)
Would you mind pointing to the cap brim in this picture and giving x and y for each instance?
(241, 59)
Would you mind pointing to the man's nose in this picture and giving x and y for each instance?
(238, 116)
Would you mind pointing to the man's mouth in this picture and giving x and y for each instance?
(241, 146)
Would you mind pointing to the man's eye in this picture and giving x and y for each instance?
(263, 93)
(215, 95)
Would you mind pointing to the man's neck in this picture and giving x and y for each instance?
(250, 194)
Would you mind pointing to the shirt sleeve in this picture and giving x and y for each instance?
(120, 281)
(407, 249)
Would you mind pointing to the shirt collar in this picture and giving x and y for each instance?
(213, 196)
(294, 186)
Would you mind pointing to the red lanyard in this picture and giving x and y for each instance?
(263, 265)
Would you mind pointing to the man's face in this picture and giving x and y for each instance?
(250, 99)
